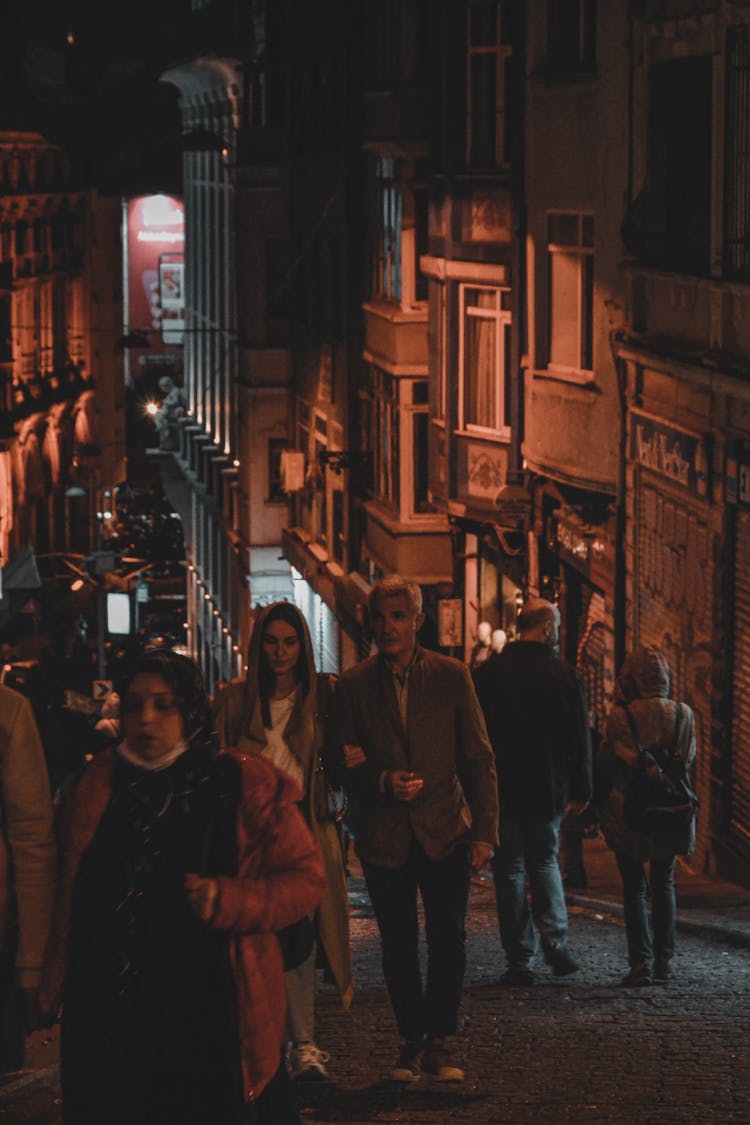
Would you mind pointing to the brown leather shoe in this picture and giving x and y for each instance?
(437, 1063)
(638, 977)
(408, 1064)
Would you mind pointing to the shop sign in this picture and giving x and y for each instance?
(513, 503)
(573, 544)
(675, 454)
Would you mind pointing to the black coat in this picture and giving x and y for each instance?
(537, 718)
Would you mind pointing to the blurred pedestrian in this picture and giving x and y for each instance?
(498, 640)
(409, 740)
(178, 868)
(647, 730)
(537, 719)
(279, 711)
(27, 873)
(482, 648)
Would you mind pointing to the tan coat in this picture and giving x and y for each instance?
(239, 724)
(27, 842)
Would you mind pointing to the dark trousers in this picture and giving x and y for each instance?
(444, 887)
(642, 944)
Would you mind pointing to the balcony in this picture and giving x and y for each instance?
(691, 316)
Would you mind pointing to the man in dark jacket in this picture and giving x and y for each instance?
(407, 736)
(537, 719)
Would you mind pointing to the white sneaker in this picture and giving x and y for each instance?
(307, 1063)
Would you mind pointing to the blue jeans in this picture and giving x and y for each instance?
(528, 850)
(642, 944)
(444, 887)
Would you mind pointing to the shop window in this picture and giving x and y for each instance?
(571, 34)
(484, 351)
(489, 86)
(570, 248)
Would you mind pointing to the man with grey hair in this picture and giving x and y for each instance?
(407, 737)
(537, 719)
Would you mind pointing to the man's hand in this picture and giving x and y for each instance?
(575, 808)
(202, 893)
(403, 785)
(353, 756)
(481, 854)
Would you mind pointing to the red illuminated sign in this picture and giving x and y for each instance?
(156, 291)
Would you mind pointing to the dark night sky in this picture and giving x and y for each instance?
(99, 94)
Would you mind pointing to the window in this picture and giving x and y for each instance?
(438, 330)
(396, 44)
(379, 432)
(670, 222)
(488, 108)
(415, 412)
(571, 34)
(570, 246)
(386, 251)
(395, 424)
(737, 156)
(484, 350)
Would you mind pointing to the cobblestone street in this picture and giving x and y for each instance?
(578, 1050)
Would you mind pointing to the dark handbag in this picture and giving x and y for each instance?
(297, 942)
(657, 802)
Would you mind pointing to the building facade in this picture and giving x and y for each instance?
(62, 418)
(685, 357)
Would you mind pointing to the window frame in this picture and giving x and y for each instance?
(503, 53)
(502, 319)
(580, 250)
(584, 60)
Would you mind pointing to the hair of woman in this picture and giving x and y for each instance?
(184, 678)
(290, 615)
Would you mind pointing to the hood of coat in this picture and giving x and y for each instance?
(299, 733)
(644, 675)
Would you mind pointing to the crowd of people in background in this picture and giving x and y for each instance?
(178, 914)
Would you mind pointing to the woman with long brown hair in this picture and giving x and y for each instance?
(278, 711)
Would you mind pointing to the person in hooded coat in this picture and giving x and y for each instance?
(279, 711)
(644, 688)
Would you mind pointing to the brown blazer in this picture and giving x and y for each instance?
(445, 742)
